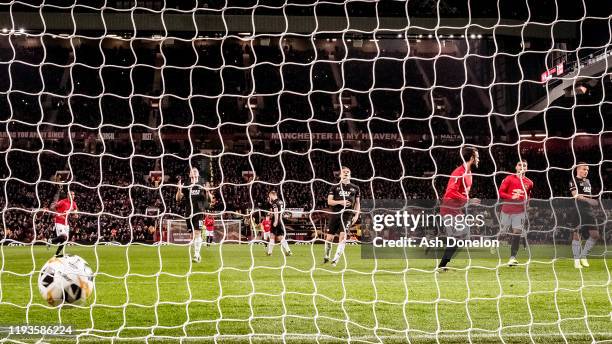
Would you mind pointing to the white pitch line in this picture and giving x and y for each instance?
(326, 338)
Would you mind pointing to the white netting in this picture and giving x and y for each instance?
(116, 100)
(223, 230)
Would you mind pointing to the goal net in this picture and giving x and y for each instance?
(118, 101)
(223, 231)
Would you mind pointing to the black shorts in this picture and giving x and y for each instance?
(586, 223)
(278, 230)
(339, 223)
(194, 221)
(586, 218)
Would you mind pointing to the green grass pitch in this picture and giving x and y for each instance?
(238, 294)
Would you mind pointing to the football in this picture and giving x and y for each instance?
(67, 279)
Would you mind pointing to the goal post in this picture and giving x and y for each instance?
(225, 231)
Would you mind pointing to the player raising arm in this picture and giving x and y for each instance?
(277, 208)
(345, 200)
(580, 187)
(454, 201)
(64, 208)
(195, 205)
(515, 190)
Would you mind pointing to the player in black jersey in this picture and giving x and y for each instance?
(344, 199)
(277, 208)
(580, 186)
(195, 205)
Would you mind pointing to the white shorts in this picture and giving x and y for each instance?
(208, 233)
(265, 235)
(459, 230)
(512, 221)
(61, 229)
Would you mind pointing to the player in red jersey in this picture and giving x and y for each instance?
(64, 209)
(515, 191)
(266, 226)
(455, 198)
(209, 223)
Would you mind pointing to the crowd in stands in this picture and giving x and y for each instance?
(115, 196)
(121, 89)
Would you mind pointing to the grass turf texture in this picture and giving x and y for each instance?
(238, 294)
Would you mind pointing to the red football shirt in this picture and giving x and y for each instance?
(266, 225)
(209, 223)
(457, 192)
(513, 185)
(62, 208)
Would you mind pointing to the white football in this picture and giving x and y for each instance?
(65, 280)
